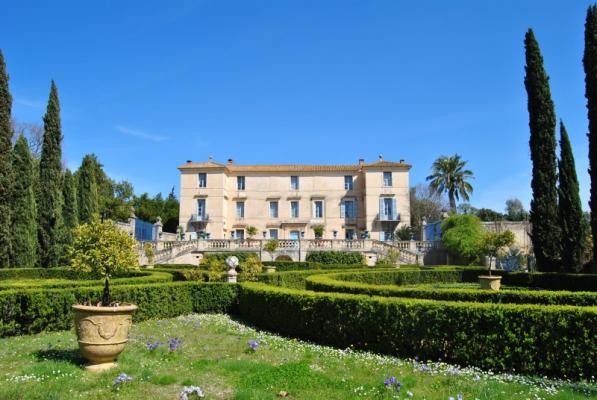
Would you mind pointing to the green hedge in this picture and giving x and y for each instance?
(23, 278)
(336, 257)
(298, 266)
(36, 310)
(334, 283)
(531, 339)
(222, 256)
(450, 274)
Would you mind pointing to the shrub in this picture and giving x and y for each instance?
(149, 252)
(404, 233)
(216, 269)
(491, 336)
(102, 249)
(283, 257)
(31, 311)
(462, 236)
(336, 257)
(271, 246)
(391, 259)
(250, 268)
(241, 255)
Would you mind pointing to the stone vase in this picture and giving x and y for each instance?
(270, 269)
(102, 333)
(490, 282)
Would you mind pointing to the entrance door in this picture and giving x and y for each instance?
(295, 235)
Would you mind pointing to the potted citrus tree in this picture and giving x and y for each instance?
(492, 242)
(270, 247)
(149, 254)
(101, 249)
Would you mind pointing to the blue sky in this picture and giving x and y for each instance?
(146, 85)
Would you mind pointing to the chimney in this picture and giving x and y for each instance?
(361, 161)
(189, 161)
(402, 161)
(230, 161)
(380, 157)
(210, 159)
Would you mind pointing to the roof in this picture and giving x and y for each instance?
(230, 167)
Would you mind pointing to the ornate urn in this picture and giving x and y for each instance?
(102, 333)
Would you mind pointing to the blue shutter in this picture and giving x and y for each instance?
(355, 209)
(382, 211)
(394, 209)
(342, 209)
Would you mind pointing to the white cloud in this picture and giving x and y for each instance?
(29, 103)
(140, 134)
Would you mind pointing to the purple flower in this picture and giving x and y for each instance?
(122, 378)
(174, 343)
(253, 345)
(392, 382)
(151, 346)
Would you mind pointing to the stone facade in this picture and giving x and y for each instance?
(220, 201)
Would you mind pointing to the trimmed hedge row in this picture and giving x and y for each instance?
(298, 266)
(451, 274)
(336, 257)
(71, 278)
(32, 311)
(550, 340)
(334, 283)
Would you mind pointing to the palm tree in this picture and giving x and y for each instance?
(448, 175)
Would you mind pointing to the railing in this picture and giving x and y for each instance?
(199, 218)
(411, 251)
(395, 217)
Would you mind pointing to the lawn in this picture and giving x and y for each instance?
(213, 352)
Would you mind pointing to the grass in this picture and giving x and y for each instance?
(214, 354)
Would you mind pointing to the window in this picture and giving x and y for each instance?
(388, 209)
(295, 235)
(294, 209)
(202, 180)
(294, 182)
(240, 183)
(273, 233)
(240, 209)
(349, 234)
(348, 182)
(273, 209)
(318, 209)
(348, 209)
(201, 209)
(238, 234)
(387, 179)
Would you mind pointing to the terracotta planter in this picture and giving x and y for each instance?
(102, 333)
(490, 282)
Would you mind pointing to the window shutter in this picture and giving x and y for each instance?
(355, 210)
(382, 211)
(394, 209)
(342, 209)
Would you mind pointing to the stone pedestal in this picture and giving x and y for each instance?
(490, 282)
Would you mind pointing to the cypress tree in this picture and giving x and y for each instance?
(590, 65)
(87, 189)
(544, 205)
(24, 212)
(5, 166)
(70, 211)
(570, 209)
(50, 223)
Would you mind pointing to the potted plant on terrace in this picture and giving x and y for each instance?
(492, 242)
(270, 247)
(149, 254)
(103, 250)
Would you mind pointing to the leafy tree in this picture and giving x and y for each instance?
(270, 247)
(487, 214)
(448, 175)
(425, 205)
(87, 193)
(515, 210)
(6, 177)
(404, 233)
(570, 208)
(462, 236)
(493, 241)
(49, 201)
(103, 249)
(170, 212)
(70, 211)
(148, 209)
(590, 66)
(251, 231)
(544, 205)
(24, 213)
